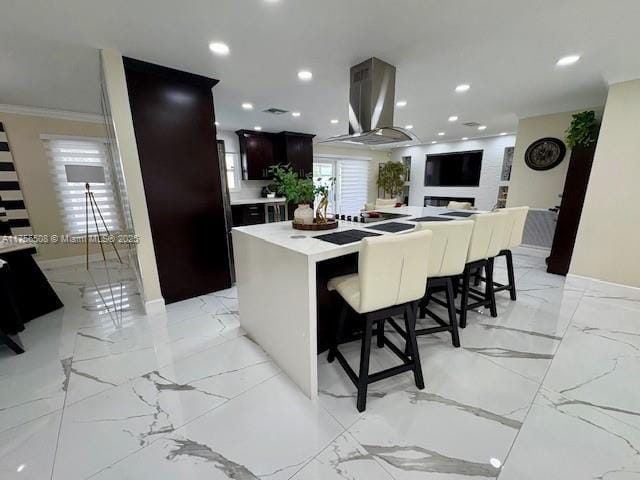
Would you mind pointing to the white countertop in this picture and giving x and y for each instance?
(248, 201)
(303, 242)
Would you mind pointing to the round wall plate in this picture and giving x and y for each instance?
(545, 154)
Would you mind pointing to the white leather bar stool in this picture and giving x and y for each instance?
(391, 279)
(517, 217)
(486, 242)
(447, 259)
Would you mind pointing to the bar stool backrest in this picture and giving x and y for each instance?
(449, 246)
(488, 235)
(392, 269)
(515, 226)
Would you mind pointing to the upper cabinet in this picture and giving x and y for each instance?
(261, 150)
(298, 151)
(258, 153)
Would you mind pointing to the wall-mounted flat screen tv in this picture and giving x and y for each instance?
(459, 169)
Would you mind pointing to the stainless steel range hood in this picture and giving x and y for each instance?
(371, 104)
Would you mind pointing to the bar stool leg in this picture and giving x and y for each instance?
(453, 319)
(363, 376)
(339, 333)
(490, 294)
(464, 301)
(380, 333)
(410, 325)
(512, 279)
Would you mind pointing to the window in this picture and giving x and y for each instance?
(322, 174)
(233, 179)
(71, 195)
(352, 182)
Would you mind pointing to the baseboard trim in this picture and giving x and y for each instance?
(604, 282)
(71, 261)
(155, 307)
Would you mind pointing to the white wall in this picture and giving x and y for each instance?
(486, 194)
(606, 247)
(122, 122)
(538, 189)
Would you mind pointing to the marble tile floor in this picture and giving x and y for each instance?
(550, 389)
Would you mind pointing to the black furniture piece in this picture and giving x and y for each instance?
(33, 295)
(410, 356)
(10, 320)
(173, 119)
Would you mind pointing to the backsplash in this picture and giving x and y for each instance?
(249, 189)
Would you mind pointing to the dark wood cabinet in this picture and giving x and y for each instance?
(258, 153)
(573, 195)
(249, 214)
(261, 150)
(173, 118)
(297, 151)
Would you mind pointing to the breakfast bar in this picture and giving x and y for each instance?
(280, 274)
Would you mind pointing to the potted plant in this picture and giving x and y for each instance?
(391, 178)
(583, 131)
(300, 191)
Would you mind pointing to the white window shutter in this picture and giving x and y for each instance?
(353, 185)
(71, 197)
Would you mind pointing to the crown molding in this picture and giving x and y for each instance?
(52, 113)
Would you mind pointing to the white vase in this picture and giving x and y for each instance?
(303, 214)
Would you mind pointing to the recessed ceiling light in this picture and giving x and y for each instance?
(257, 128)
(401, 103)
(482, 127)
(453, 118)
(463, 87)
(409, 127)
(465, 138)
(295, 114)
(441, 134)
(407, 145)
(305, 75)
(334, 121)
(219, 48)
(568, 60)
(216, 123)
(502, 134)
(247, 106)
(433, 142)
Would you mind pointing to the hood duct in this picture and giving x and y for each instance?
(371, 105)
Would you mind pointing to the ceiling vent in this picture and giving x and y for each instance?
(471, 124)
(275, 111)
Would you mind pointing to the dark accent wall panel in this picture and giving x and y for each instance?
(173, 117)
(12, 208)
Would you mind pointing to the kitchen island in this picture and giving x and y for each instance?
(281, 276)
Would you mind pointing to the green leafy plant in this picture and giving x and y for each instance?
(291, 186)
(391, 178)
(583, 130)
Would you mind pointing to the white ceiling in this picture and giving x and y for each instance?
(506, 50)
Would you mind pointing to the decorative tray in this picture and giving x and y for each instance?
(330, 225)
